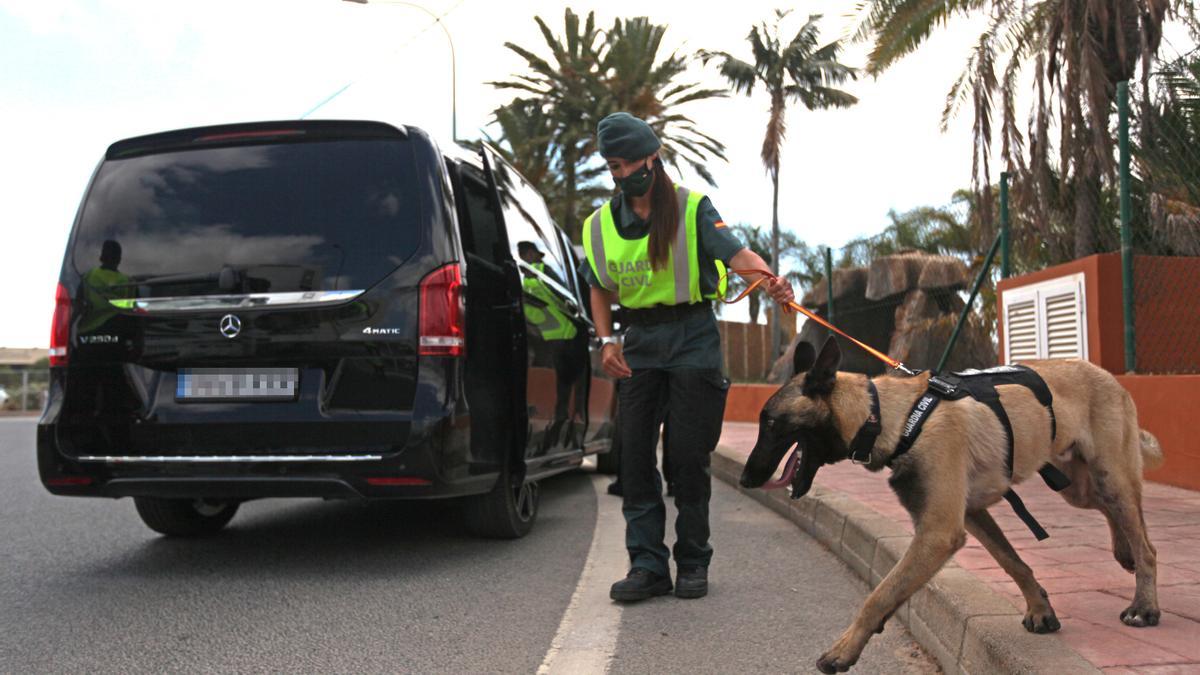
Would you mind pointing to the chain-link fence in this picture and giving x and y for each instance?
(1131, 190)
(23, 390)
(1162, 196)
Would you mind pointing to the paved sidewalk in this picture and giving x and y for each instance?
(1087, 587)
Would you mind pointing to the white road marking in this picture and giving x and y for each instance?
(587, 635)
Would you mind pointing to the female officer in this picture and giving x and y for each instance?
(660, 250)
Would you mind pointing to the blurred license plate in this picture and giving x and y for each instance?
(242, 384)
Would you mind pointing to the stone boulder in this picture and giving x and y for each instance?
(896, 274)
(906, 305)
(848, 284)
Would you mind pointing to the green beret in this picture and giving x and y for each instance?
(625, 136)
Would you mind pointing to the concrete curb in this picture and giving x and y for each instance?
(957, 618)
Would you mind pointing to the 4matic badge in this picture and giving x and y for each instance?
(382, 331)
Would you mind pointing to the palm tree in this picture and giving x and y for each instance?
(589, 74)
(799, 70)
(1167, 166)
(561, 93)
(1078, 49)
(636, 82)
(806, 266)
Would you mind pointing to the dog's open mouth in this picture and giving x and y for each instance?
(789, 471)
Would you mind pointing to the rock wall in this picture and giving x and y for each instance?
(905, 305)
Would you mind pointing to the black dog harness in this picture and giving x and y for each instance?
(981, 386)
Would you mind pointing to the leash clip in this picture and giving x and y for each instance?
(906, 370)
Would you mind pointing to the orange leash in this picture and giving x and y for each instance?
(796, 307)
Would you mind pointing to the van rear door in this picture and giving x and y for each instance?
(235, 276)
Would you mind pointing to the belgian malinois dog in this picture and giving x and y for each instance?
(956, 469)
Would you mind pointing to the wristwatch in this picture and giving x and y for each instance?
(610, 340)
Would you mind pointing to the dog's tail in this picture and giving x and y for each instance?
(1152, 454)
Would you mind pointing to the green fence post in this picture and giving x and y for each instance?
(829, 282)
(1005, 236)
(1126, 228)
(966, 310)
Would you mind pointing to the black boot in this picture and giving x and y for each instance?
(691, 581)
(640, 584)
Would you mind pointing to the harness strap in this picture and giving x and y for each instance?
(920, 412)
(1055, 479)
(1026, 517)
(864, 440)
(983, 389)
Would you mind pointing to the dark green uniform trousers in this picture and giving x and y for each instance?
(695, 401)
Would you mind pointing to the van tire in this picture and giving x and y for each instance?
(185, 517)
(506, 512)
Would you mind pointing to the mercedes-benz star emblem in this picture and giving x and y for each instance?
(230, 326)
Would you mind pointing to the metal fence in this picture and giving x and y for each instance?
(1133, 191)
(23, 390)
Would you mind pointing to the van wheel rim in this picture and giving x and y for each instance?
(209, 509)
(526, 498)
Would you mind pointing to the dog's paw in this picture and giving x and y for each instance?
(1041, 621)
(830, 662)
(1140, 616)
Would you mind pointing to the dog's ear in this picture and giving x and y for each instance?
(803, 358)
(825, 368)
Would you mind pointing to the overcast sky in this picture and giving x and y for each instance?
(81, 74)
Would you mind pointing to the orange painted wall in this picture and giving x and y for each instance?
(1169, 406)
(745, 401)
(1167, 313)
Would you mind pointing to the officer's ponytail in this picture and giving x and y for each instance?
(664, 217)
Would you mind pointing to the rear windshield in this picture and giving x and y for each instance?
(330, 215)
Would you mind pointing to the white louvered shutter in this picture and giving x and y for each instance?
(1046, 320)
(1063, 329)
(1021, 330)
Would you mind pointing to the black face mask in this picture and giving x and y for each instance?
(637, 183)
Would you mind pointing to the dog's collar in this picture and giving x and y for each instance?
(864, 440)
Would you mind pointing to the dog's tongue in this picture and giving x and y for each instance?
(789, 471)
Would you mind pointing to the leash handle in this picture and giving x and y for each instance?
(793, 306)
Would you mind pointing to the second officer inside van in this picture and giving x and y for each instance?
(660, 251)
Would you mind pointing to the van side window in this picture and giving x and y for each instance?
(527, 218)
(484, 224)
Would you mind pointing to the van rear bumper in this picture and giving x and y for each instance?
(415, 472)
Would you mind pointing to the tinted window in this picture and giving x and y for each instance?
(483, 223)
(526, 218)
(332, 215)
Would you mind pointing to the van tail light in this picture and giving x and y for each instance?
(60, 327)
(442, 313)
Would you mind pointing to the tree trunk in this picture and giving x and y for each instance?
(776, 313)
(754, 304)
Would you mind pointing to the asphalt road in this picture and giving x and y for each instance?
(308, 586)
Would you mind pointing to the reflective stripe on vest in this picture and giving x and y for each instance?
(623, 265)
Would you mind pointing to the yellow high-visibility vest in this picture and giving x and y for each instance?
(623, 265)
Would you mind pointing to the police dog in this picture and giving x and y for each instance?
(956, 469)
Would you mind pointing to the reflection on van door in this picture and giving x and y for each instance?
(557, 365)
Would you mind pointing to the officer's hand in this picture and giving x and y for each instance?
(613, 362)
(780, 290)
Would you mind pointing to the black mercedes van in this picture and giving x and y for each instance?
(317, 309)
